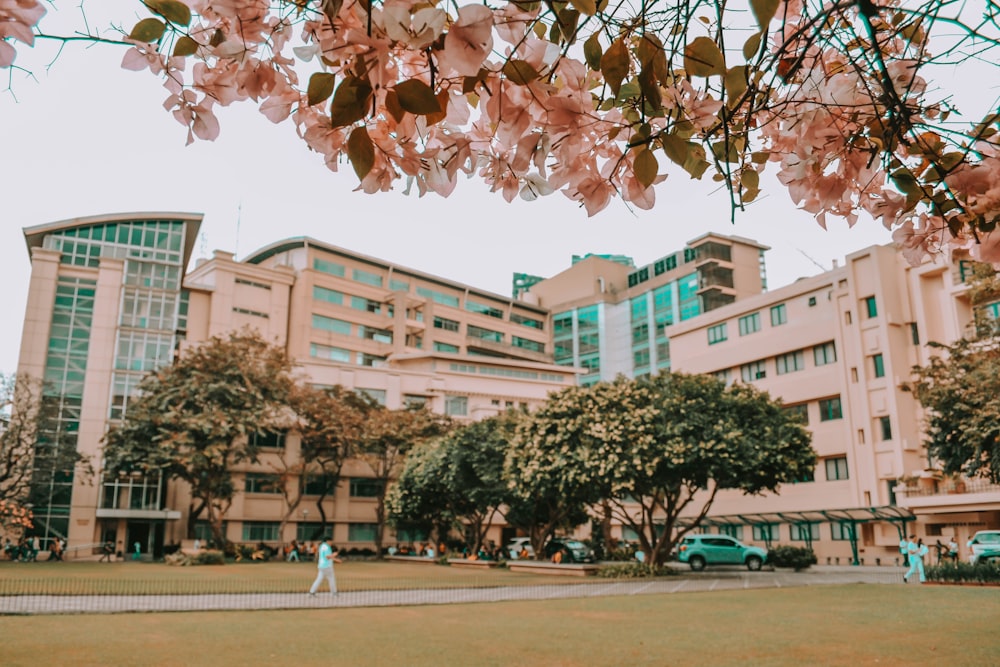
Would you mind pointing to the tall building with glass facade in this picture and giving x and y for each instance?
(105, 307)
(610, 318)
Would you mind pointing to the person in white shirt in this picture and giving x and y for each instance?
(325, 559)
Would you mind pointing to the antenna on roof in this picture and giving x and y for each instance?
(239, 214)
(811, 259)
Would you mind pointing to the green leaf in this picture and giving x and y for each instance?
(702, 57)
(361, 152)
(764, 10)
(736, 82)
(645, 167)
(592, 52)
(752, 45)
(417, 97)
(174, 11)
(350, 101)
(585, 7)
(185, 46)
(519, 72)
(320, 88)
(676, 148)
(148, 30)
(615, 65)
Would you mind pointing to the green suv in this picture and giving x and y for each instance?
(701, 550)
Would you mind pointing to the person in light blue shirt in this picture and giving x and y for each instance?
(916, 550)
(325, 559)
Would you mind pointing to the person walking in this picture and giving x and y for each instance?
(916, 550)
(325, 559)
(953, 549)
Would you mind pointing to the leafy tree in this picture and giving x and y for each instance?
(386, 441)
(33, 451)
(329, 422)
(457, 478)
(961, 391)
(851, 100)
(192, 420)
(656, 448)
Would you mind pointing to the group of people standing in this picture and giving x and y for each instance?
(914, 550)
(26, 549)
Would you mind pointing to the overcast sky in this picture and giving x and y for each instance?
(85, 137)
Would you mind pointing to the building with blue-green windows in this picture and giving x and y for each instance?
(609, 317)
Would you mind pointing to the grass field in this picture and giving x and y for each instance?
(821, 625)
(860, 624)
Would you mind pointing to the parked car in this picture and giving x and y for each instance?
(989, 557)
(983, 541)
(701, 550)
(574, 551)
(517, 545)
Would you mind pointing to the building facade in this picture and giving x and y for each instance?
(837, 349)
(109, 301)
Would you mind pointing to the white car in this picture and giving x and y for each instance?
(984, 540)
(516, 545)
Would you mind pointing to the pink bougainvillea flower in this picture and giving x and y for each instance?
(468, 41)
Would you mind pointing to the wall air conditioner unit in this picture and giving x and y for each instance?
(812, 301)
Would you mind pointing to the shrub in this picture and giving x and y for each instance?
(209, 557)
(633, 570)
(797, 558)
(981, 573)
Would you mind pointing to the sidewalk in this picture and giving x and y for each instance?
(717, 579)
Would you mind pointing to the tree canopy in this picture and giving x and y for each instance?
(655, 448)
(192, 420)
(848, 101)
(33, 451)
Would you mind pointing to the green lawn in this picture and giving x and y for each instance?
(143, 578)
(819, 625)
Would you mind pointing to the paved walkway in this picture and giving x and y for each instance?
(717, 579)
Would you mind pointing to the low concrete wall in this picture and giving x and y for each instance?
(562, 569)
(466, 562)
(413, 559)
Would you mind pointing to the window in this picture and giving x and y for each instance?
(836, 468)
(361, 532)
(361, 303)
(825, 354)
(749, 324)
(484, 334)
(317, 485)
(800, 412)
(332, 268)
(375, 334)
(878, 366)
(330, 353)
(372, 360)
(528, 344)
(397, 285)
(366, 277)
(456, 406)
(804, 532)
(842, 530)
(308, 532)
(474, 307)
(259, 482)
(717, 334)
(414, 401)
(377, 395)
(766, 532)
(331, 324)
(779, 315)
(829, 409)
(438, 297)
(735, 532)
(885, 424)
(445, 323)
(365, 487)
(753, 371)
(445, 347)
(328, 295)
(526, 321)
(260, 531)
(869, 307)
(914, 333)
(267, 440)
(790, 362)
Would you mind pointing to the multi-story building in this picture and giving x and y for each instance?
(837, 349)
(610, 318)
(109, 301)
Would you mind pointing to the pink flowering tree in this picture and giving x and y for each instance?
(847, 100)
